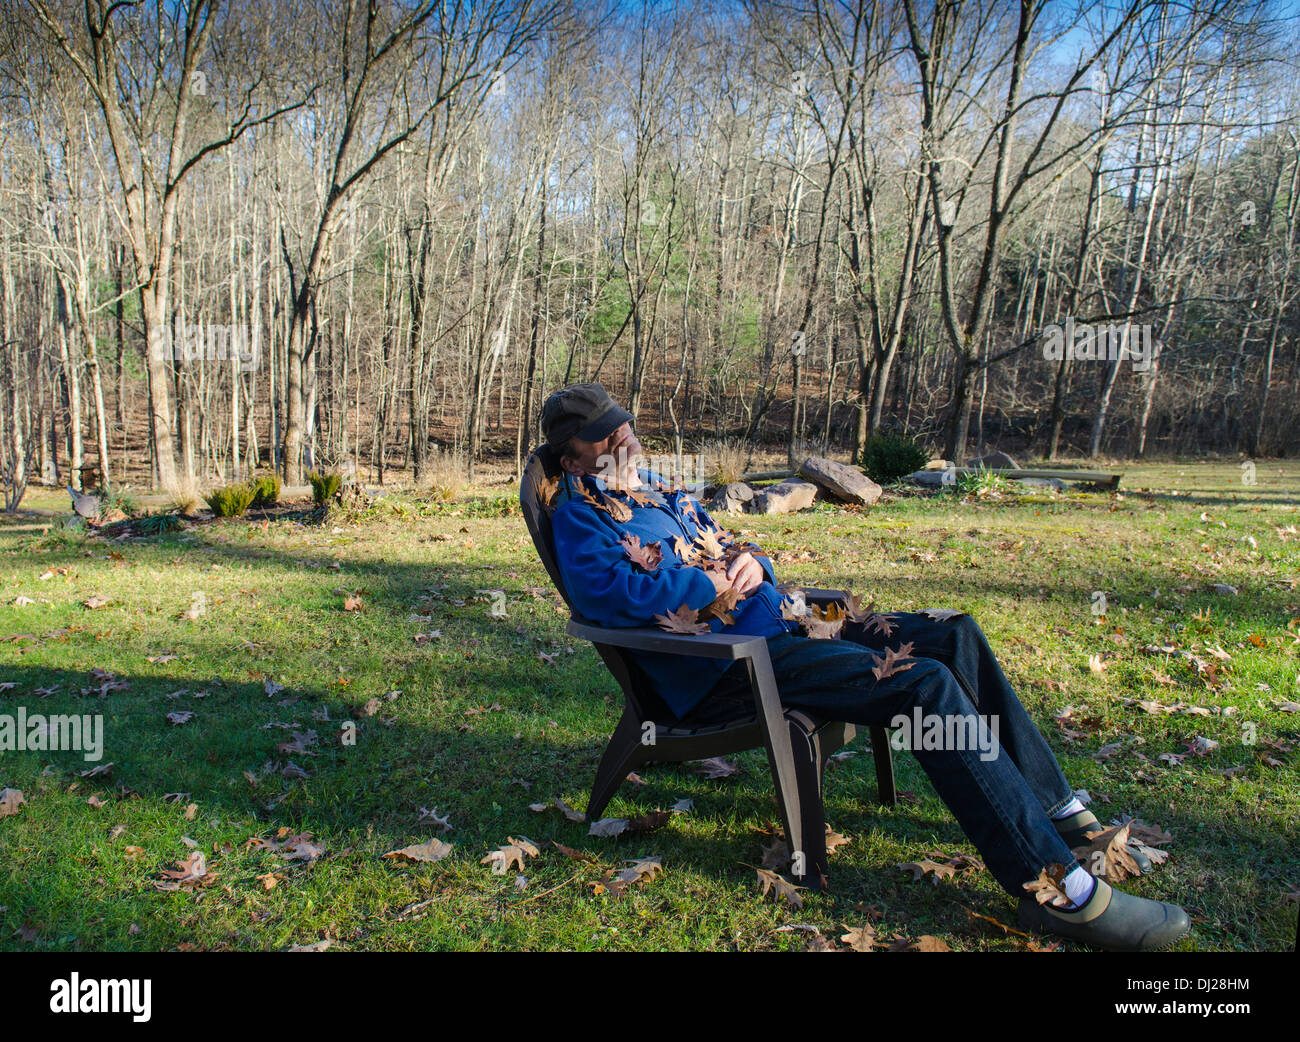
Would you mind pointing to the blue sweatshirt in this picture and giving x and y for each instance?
(609, 589)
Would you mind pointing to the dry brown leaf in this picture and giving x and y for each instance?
(1106, 854)
(780, 888)
(860, 938)
(648, 556)
(512, 853)
(1047, 887)
(434, 850)
(890, 666)
(10, 801)
(683, 620)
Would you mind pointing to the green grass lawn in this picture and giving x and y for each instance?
(365, 724)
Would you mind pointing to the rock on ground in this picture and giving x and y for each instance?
(843, 482)
(731, 499)
(787, 497)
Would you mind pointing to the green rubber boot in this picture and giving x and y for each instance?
(1111, 919)
(1075, 828)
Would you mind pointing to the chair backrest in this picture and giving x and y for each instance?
(544, 463)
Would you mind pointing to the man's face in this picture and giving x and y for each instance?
(621, 444)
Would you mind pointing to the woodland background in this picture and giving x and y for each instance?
(795, 224)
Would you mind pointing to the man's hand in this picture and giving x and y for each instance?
(745, 574)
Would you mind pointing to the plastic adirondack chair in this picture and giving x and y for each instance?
(797, 745)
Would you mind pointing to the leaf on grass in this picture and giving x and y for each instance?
(96, 601)
(1001, 927)
(639, 870)
(925, 943)
(181, 716)
(683, 620)
(434, 850)
(920, 868)
(188, 874)
(890, 665)
(608, 827)
(512, 853)
(780, 888)
(573, 855)
(10, 801)
(351, 603)
(860, 938)
(716, 767)
(648, 822)
(561, 806)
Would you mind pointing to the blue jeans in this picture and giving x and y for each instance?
(1002, 792)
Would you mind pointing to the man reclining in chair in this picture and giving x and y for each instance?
(633, 551)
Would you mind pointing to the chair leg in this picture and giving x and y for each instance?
(621, 755)
(882, 751)
(805, 817)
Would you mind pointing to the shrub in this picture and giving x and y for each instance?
(185, 497)
(445, 474)
(888, 457)
(324, 487)
(230, 501)
(266, 490)
(722, 462)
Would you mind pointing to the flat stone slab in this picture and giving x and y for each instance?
(843, 482)
(787, 497)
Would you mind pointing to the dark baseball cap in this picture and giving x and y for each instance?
(583, 411)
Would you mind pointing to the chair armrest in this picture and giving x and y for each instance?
(812, 596)
(648, 638)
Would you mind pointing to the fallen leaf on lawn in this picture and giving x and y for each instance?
(431, 816)
(573, 855)
(1001, 927)
(181, 716)
(716, 767)
(925, 943)
(648, 822)
(190, 873)
(10, 801)
(608, 827)
(779, 887)
(512, 853)
(920, 868)
(269, 880)
(434, 850)
(860, 938)
(96, 601)
(640, 870)
(561, 806)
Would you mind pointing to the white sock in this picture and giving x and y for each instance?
(1073, 807)
(1078, 886)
